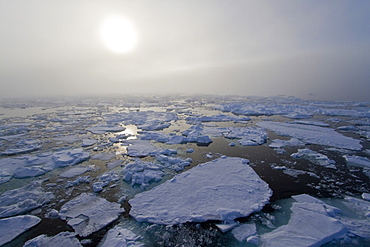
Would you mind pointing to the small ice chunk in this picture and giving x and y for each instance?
(52, 214)
(119, 236)
(62, 239)
(75, 171)
(358, 161)
(89, 213)
(24, 199)
(244, 231)
(205, 192)
(11, 227)
(103, 156)
(190, 150)
(103, 128)
(314, 157)
(366, 196)
(88, 142)
(277, 143)
(225, 227)
(141, 148)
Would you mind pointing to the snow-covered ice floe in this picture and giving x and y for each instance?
(313, 134)
(222, 189)
(24, 199)
(62, 239)
(88, 213)
(11, 227)
(359, 161)
(311, 224)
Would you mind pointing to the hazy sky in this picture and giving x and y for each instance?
(318, 49)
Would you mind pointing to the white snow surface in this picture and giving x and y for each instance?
(63, 239)
(309, 225)
(313, 134)
(88, 213)
(24, 199)
(222, 189)
(11, 227)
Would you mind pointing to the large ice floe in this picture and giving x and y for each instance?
(11, 227)
(222, 189)
(120, 237)
(313, 134)
(24, 199)
(88, 213)
(311, 224)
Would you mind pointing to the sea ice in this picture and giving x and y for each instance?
(62, 239)
(142, 173)
(103, 156)
(103, 128)
(316, 123)
(11, 227)
(277, 143)
(313, 134)
(309, 225)
(358, 161)
(88, 142)
(31, 166)
(217, 118)
(222, 189)
(141, 148)
(314, 157)
(244, 231)
(120, 237)
(24, 199)
(75, 171)
(20, 150)
(89, 213)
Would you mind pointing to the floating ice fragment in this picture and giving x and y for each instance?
(222, 189)
(11, 227)
(277, 143)
(217, 118)
(313, 134)
(101, 129)
(316, 123)
(75, 171)
(309, 225)
(24, 199)
(120, 237)
(89, 213)
(244, 231)
(358, 161)
(62, 239)
(142, 173)
(314, 157)
(88, 142)
(141, 148)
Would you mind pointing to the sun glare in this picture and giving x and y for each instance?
(119, 34)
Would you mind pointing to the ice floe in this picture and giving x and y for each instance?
(62, 239)
(309, 225)
(104, 128)
(277, 143)
(217, 118)
(75, 171)
(88, 213)
(222, 189)
(11, 227)
(141, 148)
(247, 232)
(359, 161)
(24, 199)
(142, 173)
(313, 134)
(120, 237)
(314, 157)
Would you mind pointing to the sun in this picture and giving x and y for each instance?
(118, 34)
